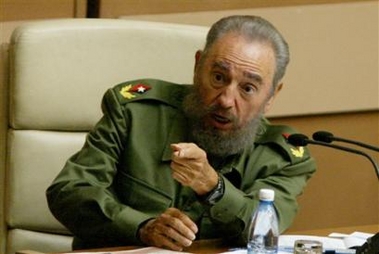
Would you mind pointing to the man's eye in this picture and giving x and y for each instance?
(218, 77)
(249, 88)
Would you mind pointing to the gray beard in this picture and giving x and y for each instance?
(212, 140)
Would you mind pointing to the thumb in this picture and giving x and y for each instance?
(176, 149)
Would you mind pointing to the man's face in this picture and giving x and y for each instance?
(234, 83)
(236, 78)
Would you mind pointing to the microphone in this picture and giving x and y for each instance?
(302, 140)
(328, 137)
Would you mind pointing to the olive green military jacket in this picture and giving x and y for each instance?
(122, 176)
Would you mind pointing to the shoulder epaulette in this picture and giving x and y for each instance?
(277, 135)
(151, 89)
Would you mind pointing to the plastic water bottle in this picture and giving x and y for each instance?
(264, 229)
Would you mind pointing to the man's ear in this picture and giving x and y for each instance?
(272, 98)
(198, 55)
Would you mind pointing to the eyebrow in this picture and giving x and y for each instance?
(253, 76)
(222, 65)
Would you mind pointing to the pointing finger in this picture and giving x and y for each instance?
(177, 150)
(186, 150)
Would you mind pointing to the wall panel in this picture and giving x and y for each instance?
(116, 8)
(36, 9)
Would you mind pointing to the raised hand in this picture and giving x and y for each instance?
(191, 168)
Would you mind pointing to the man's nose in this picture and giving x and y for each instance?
(227, 97)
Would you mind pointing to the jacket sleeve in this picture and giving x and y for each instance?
(81, 196)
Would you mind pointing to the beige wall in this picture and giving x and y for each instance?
(116, 8)
(15, 10)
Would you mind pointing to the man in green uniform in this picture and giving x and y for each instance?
(168, 163)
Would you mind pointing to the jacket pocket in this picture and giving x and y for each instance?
(141, 196)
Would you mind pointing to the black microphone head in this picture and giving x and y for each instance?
(323, 136)
(298, 139)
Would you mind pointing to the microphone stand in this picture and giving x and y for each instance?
(356, 143)
(328, 137)
(302, 140)
(347, 149)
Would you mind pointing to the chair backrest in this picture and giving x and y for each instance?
(59, 70)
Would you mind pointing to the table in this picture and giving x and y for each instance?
(372, 228)
(217, 246)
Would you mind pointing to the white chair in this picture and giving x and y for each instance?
(59, 70)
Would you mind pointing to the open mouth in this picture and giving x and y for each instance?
(221, 122)
(221, 119)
